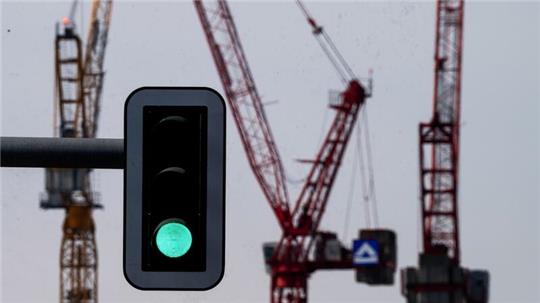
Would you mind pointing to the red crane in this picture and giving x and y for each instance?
(439, 138)
(298, 253)
(440, 275)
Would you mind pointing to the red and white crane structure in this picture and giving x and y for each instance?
(439, 138)
(440, 277)
(292, 259)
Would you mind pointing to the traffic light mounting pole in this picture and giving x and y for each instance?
(62, 152)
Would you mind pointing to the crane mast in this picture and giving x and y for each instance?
(70, 188)
(78, 89)
(440, 276)
(291, 260)
(439, 138)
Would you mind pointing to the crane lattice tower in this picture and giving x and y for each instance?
(78, 91)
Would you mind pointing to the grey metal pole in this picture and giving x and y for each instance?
(62, 152)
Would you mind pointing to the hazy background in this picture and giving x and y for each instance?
(163, 44)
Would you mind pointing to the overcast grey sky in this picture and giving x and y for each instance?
(163, 44)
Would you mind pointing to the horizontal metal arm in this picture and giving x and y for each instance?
(62, 152)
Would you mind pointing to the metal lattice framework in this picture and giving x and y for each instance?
(78, 259)
(69, 83)
(93, 63)
(70, 188)
(246, 105)
(439, 139)
(78, 90)
(291, 264)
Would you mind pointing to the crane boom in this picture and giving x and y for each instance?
(246, 105)
(439, 139)
(93, 62)
(313, 197)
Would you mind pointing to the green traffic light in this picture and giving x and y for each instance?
(173, 238)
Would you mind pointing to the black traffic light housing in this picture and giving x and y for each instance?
(174, 188)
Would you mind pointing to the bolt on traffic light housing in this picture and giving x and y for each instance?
(174, 183)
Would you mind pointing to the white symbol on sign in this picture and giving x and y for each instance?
(366, 255)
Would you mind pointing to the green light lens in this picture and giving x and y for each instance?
(173, 239)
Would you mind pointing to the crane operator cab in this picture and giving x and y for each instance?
(374, 256)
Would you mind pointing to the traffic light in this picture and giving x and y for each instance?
(174, 191)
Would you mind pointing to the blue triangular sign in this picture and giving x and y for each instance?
(365, 252)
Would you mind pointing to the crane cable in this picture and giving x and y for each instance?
(338, 61)
(363, 179)
(350, 198)
(363, 160)
(366, 171)
(371, 174)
